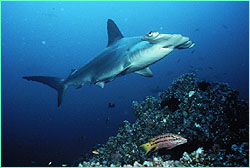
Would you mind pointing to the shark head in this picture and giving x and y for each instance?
(154, 46)
(168, 40)
(152, 36)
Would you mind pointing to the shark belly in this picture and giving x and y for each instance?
(102, 69)
(146, 55)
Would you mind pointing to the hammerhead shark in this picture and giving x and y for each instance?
(121, 56)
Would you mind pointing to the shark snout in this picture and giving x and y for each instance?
(186, 44)
(155, 37)
(180, 42)
(168, 40)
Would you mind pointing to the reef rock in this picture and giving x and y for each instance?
(208, 115)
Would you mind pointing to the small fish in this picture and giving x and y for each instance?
(178, 60)
(156, 90)
(201, 58)
(170, 72)
(167, 140)
(95, 152)
(107, 121)
(199, 68)
(49, 163)
(64, 165)
(211, 68)
(225, 26)
(80, 139)
(111, 105)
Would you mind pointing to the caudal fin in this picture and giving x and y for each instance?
(54, 82)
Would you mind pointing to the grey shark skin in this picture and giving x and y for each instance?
(122, 56)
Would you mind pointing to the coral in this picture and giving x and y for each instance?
(196, 158)
(203, 85)
(172, 103)
(212, 117)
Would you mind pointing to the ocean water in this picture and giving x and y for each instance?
(51, 38)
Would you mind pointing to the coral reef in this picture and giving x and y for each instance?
(208, 115)
(196, 158)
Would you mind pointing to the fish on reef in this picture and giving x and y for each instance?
(122, 56)
(111, 105)
(167, 141)
(95, 152)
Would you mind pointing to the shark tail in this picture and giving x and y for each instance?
(54, 82)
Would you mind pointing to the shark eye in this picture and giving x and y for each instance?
(150, 34)
(153, 34)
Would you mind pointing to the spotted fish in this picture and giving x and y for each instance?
(167, 140)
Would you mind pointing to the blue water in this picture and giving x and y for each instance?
(51, 38)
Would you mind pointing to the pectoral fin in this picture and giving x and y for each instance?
(156, 148)
(80, 86)
(145, 72)
(100, 84)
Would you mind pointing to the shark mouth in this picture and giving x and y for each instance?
(167, 46)
(187, 44)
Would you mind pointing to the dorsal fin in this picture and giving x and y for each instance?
(114, 33)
